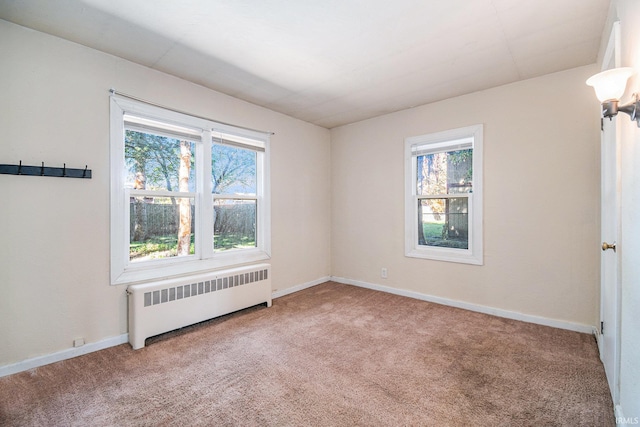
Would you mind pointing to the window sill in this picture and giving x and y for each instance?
(151, 272)
(448, 255)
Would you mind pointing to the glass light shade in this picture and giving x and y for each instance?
(610, 84)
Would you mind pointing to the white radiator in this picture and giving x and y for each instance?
(159, 307)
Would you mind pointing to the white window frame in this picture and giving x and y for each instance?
(124, 272)
(449, 140)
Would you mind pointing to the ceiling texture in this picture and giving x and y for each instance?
(332, 62)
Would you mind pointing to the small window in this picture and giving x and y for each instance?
(443, 196)
(187, 194)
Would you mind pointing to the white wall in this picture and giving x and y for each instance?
(54, 257)
(541, 200)
(628, 12)
(337, 196)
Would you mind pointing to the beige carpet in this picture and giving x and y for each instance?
(331, 355)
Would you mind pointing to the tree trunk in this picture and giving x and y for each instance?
(184, 229)
(421, 165)
(421, 240)
(139, 227)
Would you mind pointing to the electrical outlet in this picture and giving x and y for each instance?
(78, 342)
(383, 273)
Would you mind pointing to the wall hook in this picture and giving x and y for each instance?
(42, 170)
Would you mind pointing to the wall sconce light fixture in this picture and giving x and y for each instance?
(609, 86)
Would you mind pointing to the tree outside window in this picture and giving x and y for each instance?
(443, 195)
(187, 194)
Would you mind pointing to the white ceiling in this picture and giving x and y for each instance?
(332, 62)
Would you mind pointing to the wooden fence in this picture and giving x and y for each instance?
(149, 220)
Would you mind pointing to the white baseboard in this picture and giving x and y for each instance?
(36, 362)
(577, 327)
(124, 338)
(69, 353)
(296, 288)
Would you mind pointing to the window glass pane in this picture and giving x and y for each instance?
(445, 173)
(160, 227)
(233, 170)
(234, 224)
(155, 162)
(444, 222)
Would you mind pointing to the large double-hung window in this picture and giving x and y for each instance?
(187, 194)
(443, 196)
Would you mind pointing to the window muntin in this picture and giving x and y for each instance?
(165, 194)
(443, 186)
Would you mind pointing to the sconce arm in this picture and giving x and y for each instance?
(611, 107)
(632, 109)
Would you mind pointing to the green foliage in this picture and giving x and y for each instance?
(457, 157)
(435, 234)
(156, 158)
(233, 170)
(461, 156)
(153, 163)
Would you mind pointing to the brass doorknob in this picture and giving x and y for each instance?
(606, 246)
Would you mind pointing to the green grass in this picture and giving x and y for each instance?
(432, 230)
(223, 242)
(167, 246)
(157, 247)
(435, 236)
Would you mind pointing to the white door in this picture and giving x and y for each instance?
(610, 290)
(610, 233)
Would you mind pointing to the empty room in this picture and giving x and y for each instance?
(328, 213)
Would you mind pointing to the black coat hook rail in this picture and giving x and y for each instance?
(42, 170)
